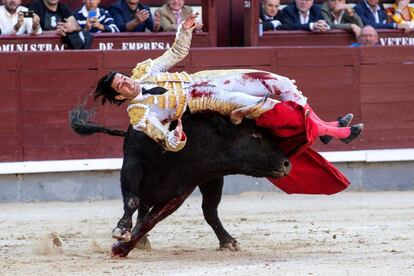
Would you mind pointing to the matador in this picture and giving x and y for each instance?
(239, 93)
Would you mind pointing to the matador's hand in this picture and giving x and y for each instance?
(190, 21)
(178, 132)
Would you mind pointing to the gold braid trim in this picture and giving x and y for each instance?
(162, 103)
(212, 104)
(138, 114)
(162, 77)
(141, 70)
(147, 101)
(182, 100)
(172, 101)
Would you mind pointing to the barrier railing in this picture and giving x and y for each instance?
(122, 41)
(103, 41)
(39, 88)
(302, 38)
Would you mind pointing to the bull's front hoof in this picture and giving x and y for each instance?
(121, 235)
(231, 246)
(144, 243)
(120, 249)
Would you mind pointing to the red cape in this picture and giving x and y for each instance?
(311, 173)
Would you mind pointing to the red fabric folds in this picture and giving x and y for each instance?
(311, 173)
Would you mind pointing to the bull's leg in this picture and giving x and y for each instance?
(131, 175)
(157, 213)
(123, 229)
(143, 211)
(212, 192)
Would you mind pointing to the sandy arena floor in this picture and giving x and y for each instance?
(347, 234)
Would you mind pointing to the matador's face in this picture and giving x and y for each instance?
(127, 88)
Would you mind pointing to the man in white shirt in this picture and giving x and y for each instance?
(13, 21)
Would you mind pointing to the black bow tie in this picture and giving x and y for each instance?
(154, 91)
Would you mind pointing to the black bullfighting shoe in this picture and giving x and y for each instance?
(342, 122)
(355, 132)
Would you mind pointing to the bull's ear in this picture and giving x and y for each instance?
(224, 126)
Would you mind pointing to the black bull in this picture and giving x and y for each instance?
(157, 182)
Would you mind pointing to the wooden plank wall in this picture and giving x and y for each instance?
(387, 97)
(10, 98)
(38, 90)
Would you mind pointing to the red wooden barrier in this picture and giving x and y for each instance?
(103, 41)
(38, 90)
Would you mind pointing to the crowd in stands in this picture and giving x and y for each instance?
(336, 14)
(53, 16)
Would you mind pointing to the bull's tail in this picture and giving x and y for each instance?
(79, 121)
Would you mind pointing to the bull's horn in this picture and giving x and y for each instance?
(237, 115)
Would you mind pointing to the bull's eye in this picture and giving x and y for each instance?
(256, 135)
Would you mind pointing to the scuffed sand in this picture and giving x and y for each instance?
(346, 234)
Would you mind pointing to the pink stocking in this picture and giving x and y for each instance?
(337, 132)
(315, 118)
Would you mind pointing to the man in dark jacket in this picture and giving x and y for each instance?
(270, 15)
(372, 13)
(131, 16)
(304, 15)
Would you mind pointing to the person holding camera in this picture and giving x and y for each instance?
(94, 19)
(17, 20)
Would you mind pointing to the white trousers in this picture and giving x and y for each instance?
(250, 82)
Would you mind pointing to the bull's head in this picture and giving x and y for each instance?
(239, 149)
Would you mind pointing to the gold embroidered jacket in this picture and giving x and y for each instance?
(143, 119)
(152, 73)
(152, 114)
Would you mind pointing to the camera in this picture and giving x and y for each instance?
(28, 13)
(92, 14)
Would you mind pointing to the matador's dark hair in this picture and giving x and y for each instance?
(105, 90)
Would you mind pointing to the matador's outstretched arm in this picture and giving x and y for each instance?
(172, 56)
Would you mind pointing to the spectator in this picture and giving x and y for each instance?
(131, 16)
(173, 13)
(338, 15)
(270, 15)
(401, 13)
(373, 13)
(94, 19)
(55, 17)
(368, 37)
(13, 21)
(304, 15)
